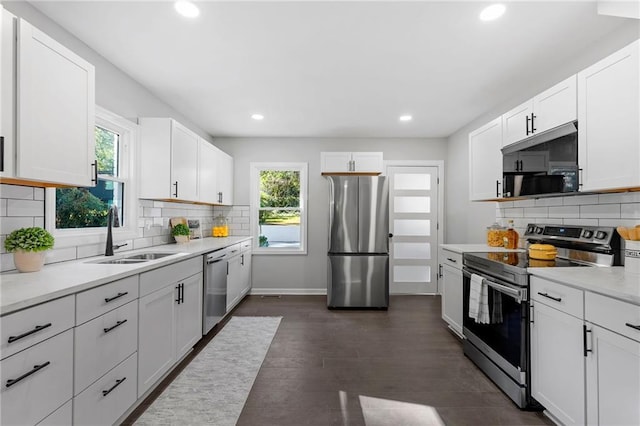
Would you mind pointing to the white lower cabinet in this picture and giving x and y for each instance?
(452, 297)
(37, 381)
(63, 416)
(170, 318)
(107, 399)
(245, 269)
(239, 274)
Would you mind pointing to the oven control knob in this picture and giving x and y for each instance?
(531, 229)
(587, 234)
(601, 235)
(538, 230)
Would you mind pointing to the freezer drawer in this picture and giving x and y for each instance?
(358, 281)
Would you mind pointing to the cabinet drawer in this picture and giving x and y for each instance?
(452, 259)
(245, 245)
(63, 416)
(564, 298)
(170, 274)
(93, 407)
(104, 342)
(41, 390)
(95, 302)
(613, 314)
(27, 327)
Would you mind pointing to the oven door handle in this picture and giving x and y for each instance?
(516, 294)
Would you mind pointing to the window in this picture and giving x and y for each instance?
(73, 212)
(278, 207)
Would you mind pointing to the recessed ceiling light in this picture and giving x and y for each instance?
(492, 12)
(257, 116)
(406, 118)
(187, 9)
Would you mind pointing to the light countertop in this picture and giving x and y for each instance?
(21, 290)
(613, 282)
(470, 248)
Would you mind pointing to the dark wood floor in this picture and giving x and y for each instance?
(337, 367)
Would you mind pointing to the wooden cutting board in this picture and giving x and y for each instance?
(176, 220)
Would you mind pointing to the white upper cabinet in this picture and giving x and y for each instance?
(184, 163)
(609, 121)
(351, 162)
(549, 109)
(485, 161)
(208, 173)
(49, 93)
(225, 179)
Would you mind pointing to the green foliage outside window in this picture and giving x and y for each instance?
(279, 189)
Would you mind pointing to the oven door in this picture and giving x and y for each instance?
(505, 340)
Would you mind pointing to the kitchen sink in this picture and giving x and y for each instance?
(147, 256)
(120, 261)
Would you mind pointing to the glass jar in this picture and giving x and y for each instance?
(495, 235)
(220, 227)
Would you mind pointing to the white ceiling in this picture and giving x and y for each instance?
(329, 69)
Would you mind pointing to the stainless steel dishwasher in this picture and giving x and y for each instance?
(214, 300)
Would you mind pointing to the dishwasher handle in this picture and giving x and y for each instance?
(216, 259)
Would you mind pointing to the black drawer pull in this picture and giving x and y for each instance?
(452, 260)
(36, 368)
(117, 296)
(635, 327)
(118, 324)
(28, 333)
(118, 382)
(557, 299)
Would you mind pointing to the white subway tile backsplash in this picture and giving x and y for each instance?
(241, 220)
(90, 250)
(10, 224)
(630, 211)
(600, 211)
(60, 255)
(564, 212)
(38, 194)
(524, 203)
(3, 207)
(536, 212)
(163, 239)
(621, 197)
(580, 222)
(158, 221)
(6, 262)
(16, 192)
(24, 207)
(577, 200)
(555, 201)
(514, 212)
(151, 212)
(38, 221)
(139, 243)
(618, 222)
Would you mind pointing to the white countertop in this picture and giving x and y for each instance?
(613, 282)
(469, 248)
(21, 290)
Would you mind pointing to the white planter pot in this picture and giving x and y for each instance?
(28, 261)
(181, 239)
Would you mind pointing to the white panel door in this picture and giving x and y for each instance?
(413, 219)
(184, 163)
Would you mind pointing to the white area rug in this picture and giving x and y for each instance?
(213, 388)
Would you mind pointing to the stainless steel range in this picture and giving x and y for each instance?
(498, 340)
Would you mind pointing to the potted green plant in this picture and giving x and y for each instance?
(28, 246)
(181, 233)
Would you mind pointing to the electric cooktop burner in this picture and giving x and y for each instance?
(522, 260)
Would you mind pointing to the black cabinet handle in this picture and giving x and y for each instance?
(118, 324)
(182, 293)
(497, 189)
(242, 259)
(178, 288)
(533, 126)
(635, 327)
(527, 124)
(118, 383)
(28, 333)
(95, 172)
(117, 296)
(440, 270)
(1, 153)
(521, 168)
(579, 177)
(36, 368)
(584, 340)
(452, 260)
(557, 299)
(176, 193)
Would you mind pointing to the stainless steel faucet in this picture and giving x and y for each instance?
(112, 222)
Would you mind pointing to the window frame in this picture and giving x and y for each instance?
(128, 143)
(255, 169)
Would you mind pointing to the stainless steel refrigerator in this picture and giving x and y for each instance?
(358, 265)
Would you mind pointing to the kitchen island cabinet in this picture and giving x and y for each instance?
(42, 78)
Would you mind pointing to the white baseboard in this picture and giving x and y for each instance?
(288, 291)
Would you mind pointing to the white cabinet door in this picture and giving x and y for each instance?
(555, 106)
(234, 282)
(609, 121)
(189, 315)
(485, 161)
(156, 344)
(516, 123)
(367, 162)
(557, 363)
(225, 178)
(452, 297)
(7, 92)
(208, 173)
(184, 163)
(55, 111)
(332, 162)
(245, 263)
(155, 157)
(613, 379)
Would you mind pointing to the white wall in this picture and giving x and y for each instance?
(466, 221)
(306, 273)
